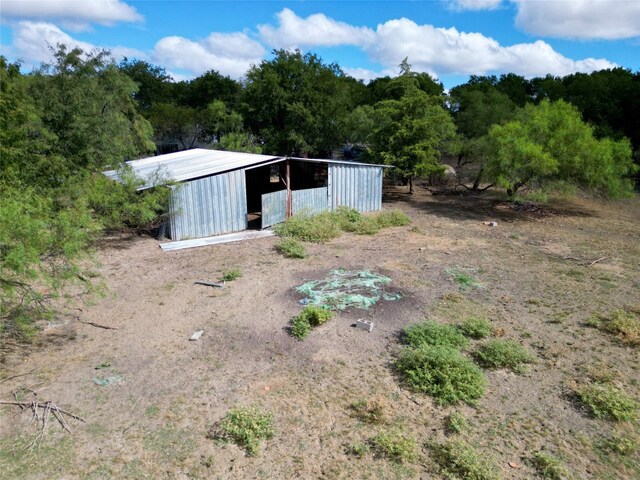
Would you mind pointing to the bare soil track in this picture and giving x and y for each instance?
(165, 392)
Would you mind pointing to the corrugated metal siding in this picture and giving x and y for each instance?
(355, 186)
(311, 200)
(209, 206)
(274, 208)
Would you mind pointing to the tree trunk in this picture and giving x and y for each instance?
(411, 185)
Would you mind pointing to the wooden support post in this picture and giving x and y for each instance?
(289, 206)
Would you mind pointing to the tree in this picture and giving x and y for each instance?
(154, 83)
(209, 87)
(185, 124)
(294, 103)
(550, 142)
(411, 132)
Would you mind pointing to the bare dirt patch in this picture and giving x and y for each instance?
(537, 287)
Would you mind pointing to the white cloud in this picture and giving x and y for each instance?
(362, 74)
(32, 42)
(74, 14)
(229, 53)
(315, 30)
(475, 4)
(580, 19)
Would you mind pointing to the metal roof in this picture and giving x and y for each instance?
(200, 162)
(189, 164)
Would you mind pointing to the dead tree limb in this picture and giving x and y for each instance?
(93, 324)
(596, 261)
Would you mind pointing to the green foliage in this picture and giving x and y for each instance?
(550, 142)
(625, 324)
(464, 280)
(621, 445)
(442, 372)
(231, 275)
(458, 460)
(548, 467)
(392, 218)
(359, 450)
(247, 426)
(291, 248)
(311, 316)
(476, 328)
(603, 400)
(309, 228)
(503, 354)
(433, 334)
(394, 446)
(411, 130)
(240, 142)
(456, 423)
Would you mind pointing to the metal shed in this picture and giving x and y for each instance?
(222, 192)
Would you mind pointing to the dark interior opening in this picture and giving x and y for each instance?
(308, 175)
(259, 181)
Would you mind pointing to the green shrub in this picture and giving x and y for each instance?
(231, 275)
(548, 466)
(458, 460)
(606, 401)
(456, 423)
(311, 316)
(291, 248)
(300, 327)
(347, 218)
(475, 328)
(393, 218)
(433, 333)
(359, 450)
(310, 228)
(503, 354)
(394, 446)
(442, 372)
(623, 445)
(625, 324)
(366, 226)
(246, 426)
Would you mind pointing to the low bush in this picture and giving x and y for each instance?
(625, 324)
(475, 328)
(291, 248)
(548, 466)
(311, 316)
(603, 400)
(370, 411)
(442, 372)
(433, 333)
(392, 218)
(246, 426)
(456, 423)
(394, 446)
(458, 460)
(503, 354)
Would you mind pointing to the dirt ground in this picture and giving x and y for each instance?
(151, 421)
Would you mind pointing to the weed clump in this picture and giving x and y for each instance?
(603, 400)
(433, 333)
(456, 423)
(622, 445)
(464, 280)
(476, 328)
(291, 248)
(370, 411)
(625, 324)
(231, 275)
(246, 426)
(394, 446)
(548, 466)
(359, 450)
(458, 460)
(392, 218)
(503, 354)
(311, 316)
(442, 372)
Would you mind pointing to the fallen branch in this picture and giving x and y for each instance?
(596, 261)
(18, 375)
(106, 327)
(42, 419)
(209, 284)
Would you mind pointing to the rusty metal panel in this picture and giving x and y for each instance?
(310, 201)
(274, 208)
(355, 186)
(209, 206)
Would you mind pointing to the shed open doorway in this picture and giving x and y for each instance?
(260, 181)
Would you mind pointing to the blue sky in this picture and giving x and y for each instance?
(450, 39)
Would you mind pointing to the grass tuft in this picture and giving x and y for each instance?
(231, 275)
(370, 411)
(291, 248)
(503, 354)
(625, 324)
(458, 460)
(548, 466)
(311, 316)
(246, 426)
(605, 401)
(456, 423)
(433, 333)
(464, 280)
(442, 372)
(476, 328)
(392, 218)
(394, 446)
